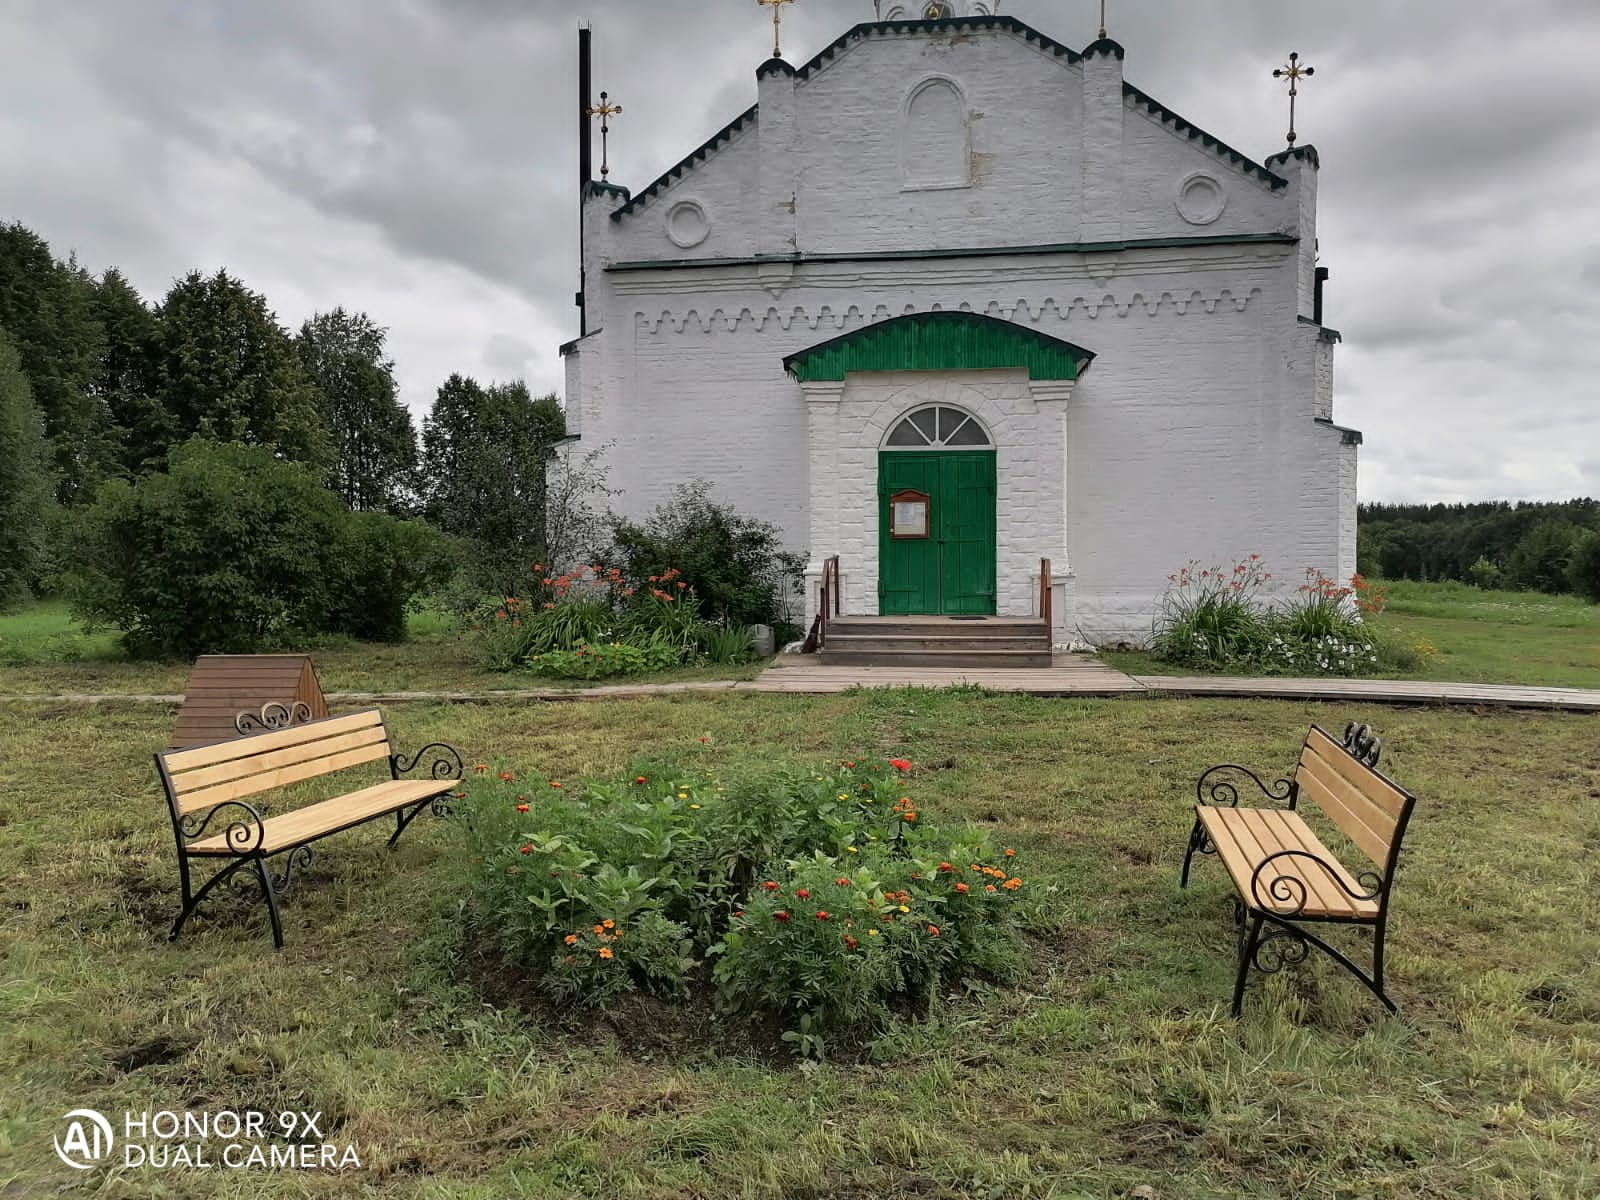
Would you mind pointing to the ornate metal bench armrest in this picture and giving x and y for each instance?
(274, 714)
(244, 834)
(1223, 793)
(447, 763)
(1287, 895)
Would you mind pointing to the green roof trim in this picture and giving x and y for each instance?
(939, 341)
(1194, 133)
(865, 256)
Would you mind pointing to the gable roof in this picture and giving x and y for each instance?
(939, 341)
(1022, 29)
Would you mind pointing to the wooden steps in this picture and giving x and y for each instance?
(937, 642)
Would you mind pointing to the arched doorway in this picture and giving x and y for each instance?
(936, 501)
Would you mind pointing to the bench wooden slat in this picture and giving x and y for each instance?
(1380, 791)
(1243, 837)
(260, 743)
(266, 781)
(306, 751)
(1347, 806)
(315, 820)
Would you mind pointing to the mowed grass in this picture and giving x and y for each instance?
(1112, 1065)
(44, 652)
(1477, 636)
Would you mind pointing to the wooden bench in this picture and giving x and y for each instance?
(1285, 877)
(206, 787)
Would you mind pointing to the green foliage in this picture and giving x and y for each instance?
(601, 660)
(1210, 618)
(235, 550)
(25, 493)
(1435, 542)
(485, 453)
(1583, 570)
(725, 645)
(824, 898)
(1484, 574)
(374, 443)
(126, 381)
(736, 564)
(225, 370)
(1539, 562)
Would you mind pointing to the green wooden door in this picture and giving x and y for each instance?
(952, 570)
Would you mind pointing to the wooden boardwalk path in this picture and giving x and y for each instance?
(1071, 675)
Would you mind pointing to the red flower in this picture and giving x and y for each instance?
(850, 941)
(804, 893)
(946, 868)
(526, 850)
(900, 764)
(522, 808)
(823, 915)
(842, 882)
(481, 768)
(962, 889)
(705, 739)
(683, 585)
(505, 776)
(933, 929)
(770, 886)
(555, 783)
(782, 915)
(640, 779)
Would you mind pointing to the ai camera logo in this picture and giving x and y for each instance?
(88, 1139)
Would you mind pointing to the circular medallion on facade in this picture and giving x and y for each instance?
(686, 224)
(1201, 199)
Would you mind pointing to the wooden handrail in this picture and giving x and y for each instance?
(829, 604)
(1046, 595)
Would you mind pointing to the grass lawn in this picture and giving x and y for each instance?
(43, 651)
(1111, 1066)
(1480, 636)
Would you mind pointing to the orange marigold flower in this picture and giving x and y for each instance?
(555, 783)
(609, 923)
(988, 887)
(962, 889)
(910, 816)
(781, 915)
(480, 768)
(1012, 885)
(1010, 853)
(571, 939)
(522, 808)
(770, 886)
(505, 776)
(933, 929)
(605, 952)
(823, 915)
(599, 928)
(804, 893)
(842, 882)
(946, 868)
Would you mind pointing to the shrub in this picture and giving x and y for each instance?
(1583, 570)
(1484, 574)
(234, 551)
(25, 483)
(1539, 561)
(825, 899)
(736, 565)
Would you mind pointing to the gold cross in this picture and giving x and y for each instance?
(605, 111)
(777, 21)
(1294, 73)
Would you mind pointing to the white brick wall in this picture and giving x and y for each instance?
(1190, 436)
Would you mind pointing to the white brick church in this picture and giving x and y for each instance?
(953, 298)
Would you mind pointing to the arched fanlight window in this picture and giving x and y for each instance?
(935, 428)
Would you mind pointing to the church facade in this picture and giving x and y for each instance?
(943, 339)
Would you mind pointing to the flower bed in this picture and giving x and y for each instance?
(1219, 619)
(592, 623)
(826, 900)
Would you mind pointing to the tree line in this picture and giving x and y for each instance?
(98, 386)
(1524, 546)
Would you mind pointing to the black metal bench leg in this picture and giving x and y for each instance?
(268, 891)
(190, 903)
(1377, 968)
(404, 817)
(1197, 837)
(1247, 949)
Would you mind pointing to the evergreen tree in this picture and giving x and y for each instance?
(48, 309)
(125, 384)
(24, 479)
(487, 451)
(226, 370)
(342, 355)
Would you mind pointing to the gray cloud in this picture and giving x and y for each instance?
(417, 160)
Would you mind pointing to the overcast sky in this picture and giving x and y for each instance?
(416, 159)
